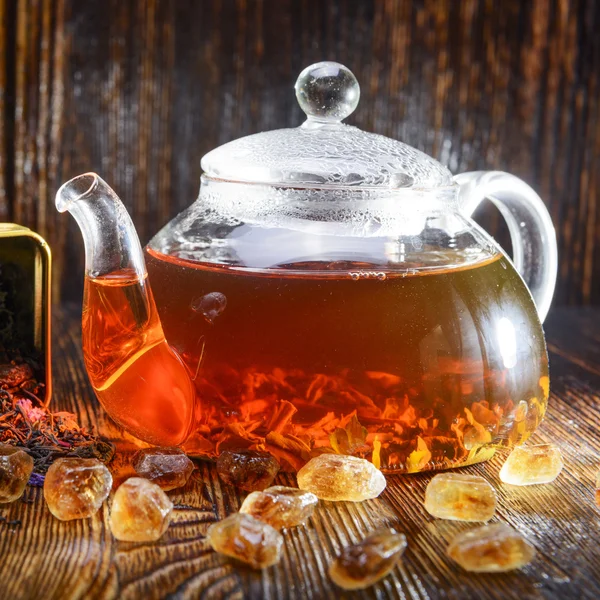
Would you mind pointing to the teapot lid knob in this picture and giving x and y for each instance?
(327, 92)
(324, 153)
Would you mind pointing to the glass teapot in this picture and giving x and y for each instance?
(327, 292)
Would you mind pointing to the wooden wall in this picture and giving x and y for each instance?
(139, 90)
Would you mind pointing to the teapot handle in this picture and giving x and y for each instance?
(531, 230)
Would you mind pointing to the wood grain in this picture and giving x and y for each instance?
(139, 90)
(45, 558)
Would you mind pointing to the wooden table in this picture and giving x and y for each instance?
(45, 558)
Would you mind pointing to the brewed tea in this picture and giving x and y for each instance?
(434, 364)
(123, 346)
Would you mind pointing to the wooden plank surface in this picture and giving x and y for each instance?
(139, 90)
(49, 559)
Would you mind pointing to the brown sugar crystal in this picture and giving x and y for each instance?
(15, 469)
(141, 511)
(363, 564)
(491, 549)
(247, 469)
(532, 464)
(280, 506)
(246, 539)
(340, 477)
(75, 488)
(169, 468)
(460, 497)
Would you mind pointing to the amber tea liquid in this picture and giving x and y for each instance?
(124, 349)
(434, 364)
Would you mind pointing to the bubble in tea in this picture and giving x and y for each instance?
(210, 305)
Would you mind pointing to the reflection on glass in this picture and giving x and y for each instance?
(507, 342)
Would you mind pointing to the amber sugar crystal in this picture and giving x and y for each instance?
(141, 511)
(491, 549)
(15, 469)
(246, 539)
(75, 488)
(340, 477)
(169, 468)
(460, 497)
(530, 465)
(280, 506)
(363, 564)
(247, 469)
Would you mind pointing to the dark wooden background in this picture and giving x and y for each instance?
(139, 90)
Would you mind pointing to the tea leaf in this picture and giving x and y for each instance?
(350, 440)
(479, 454)
(376, 458)
(418, 459)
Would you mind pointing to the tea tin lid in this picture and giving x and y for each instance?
(324, 152)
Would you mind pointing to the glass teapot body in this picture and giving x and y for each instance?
(327, 292)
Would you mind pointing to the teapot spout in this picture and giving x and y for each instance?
(111, 242)
(140, 381)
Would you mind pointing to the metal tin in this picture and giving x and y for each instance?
(25, 265)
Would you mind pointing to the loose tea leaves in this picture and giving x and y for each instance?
(27, 423)
(296, 417)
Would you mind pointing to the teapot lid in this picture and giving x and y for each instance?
(323, 151)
